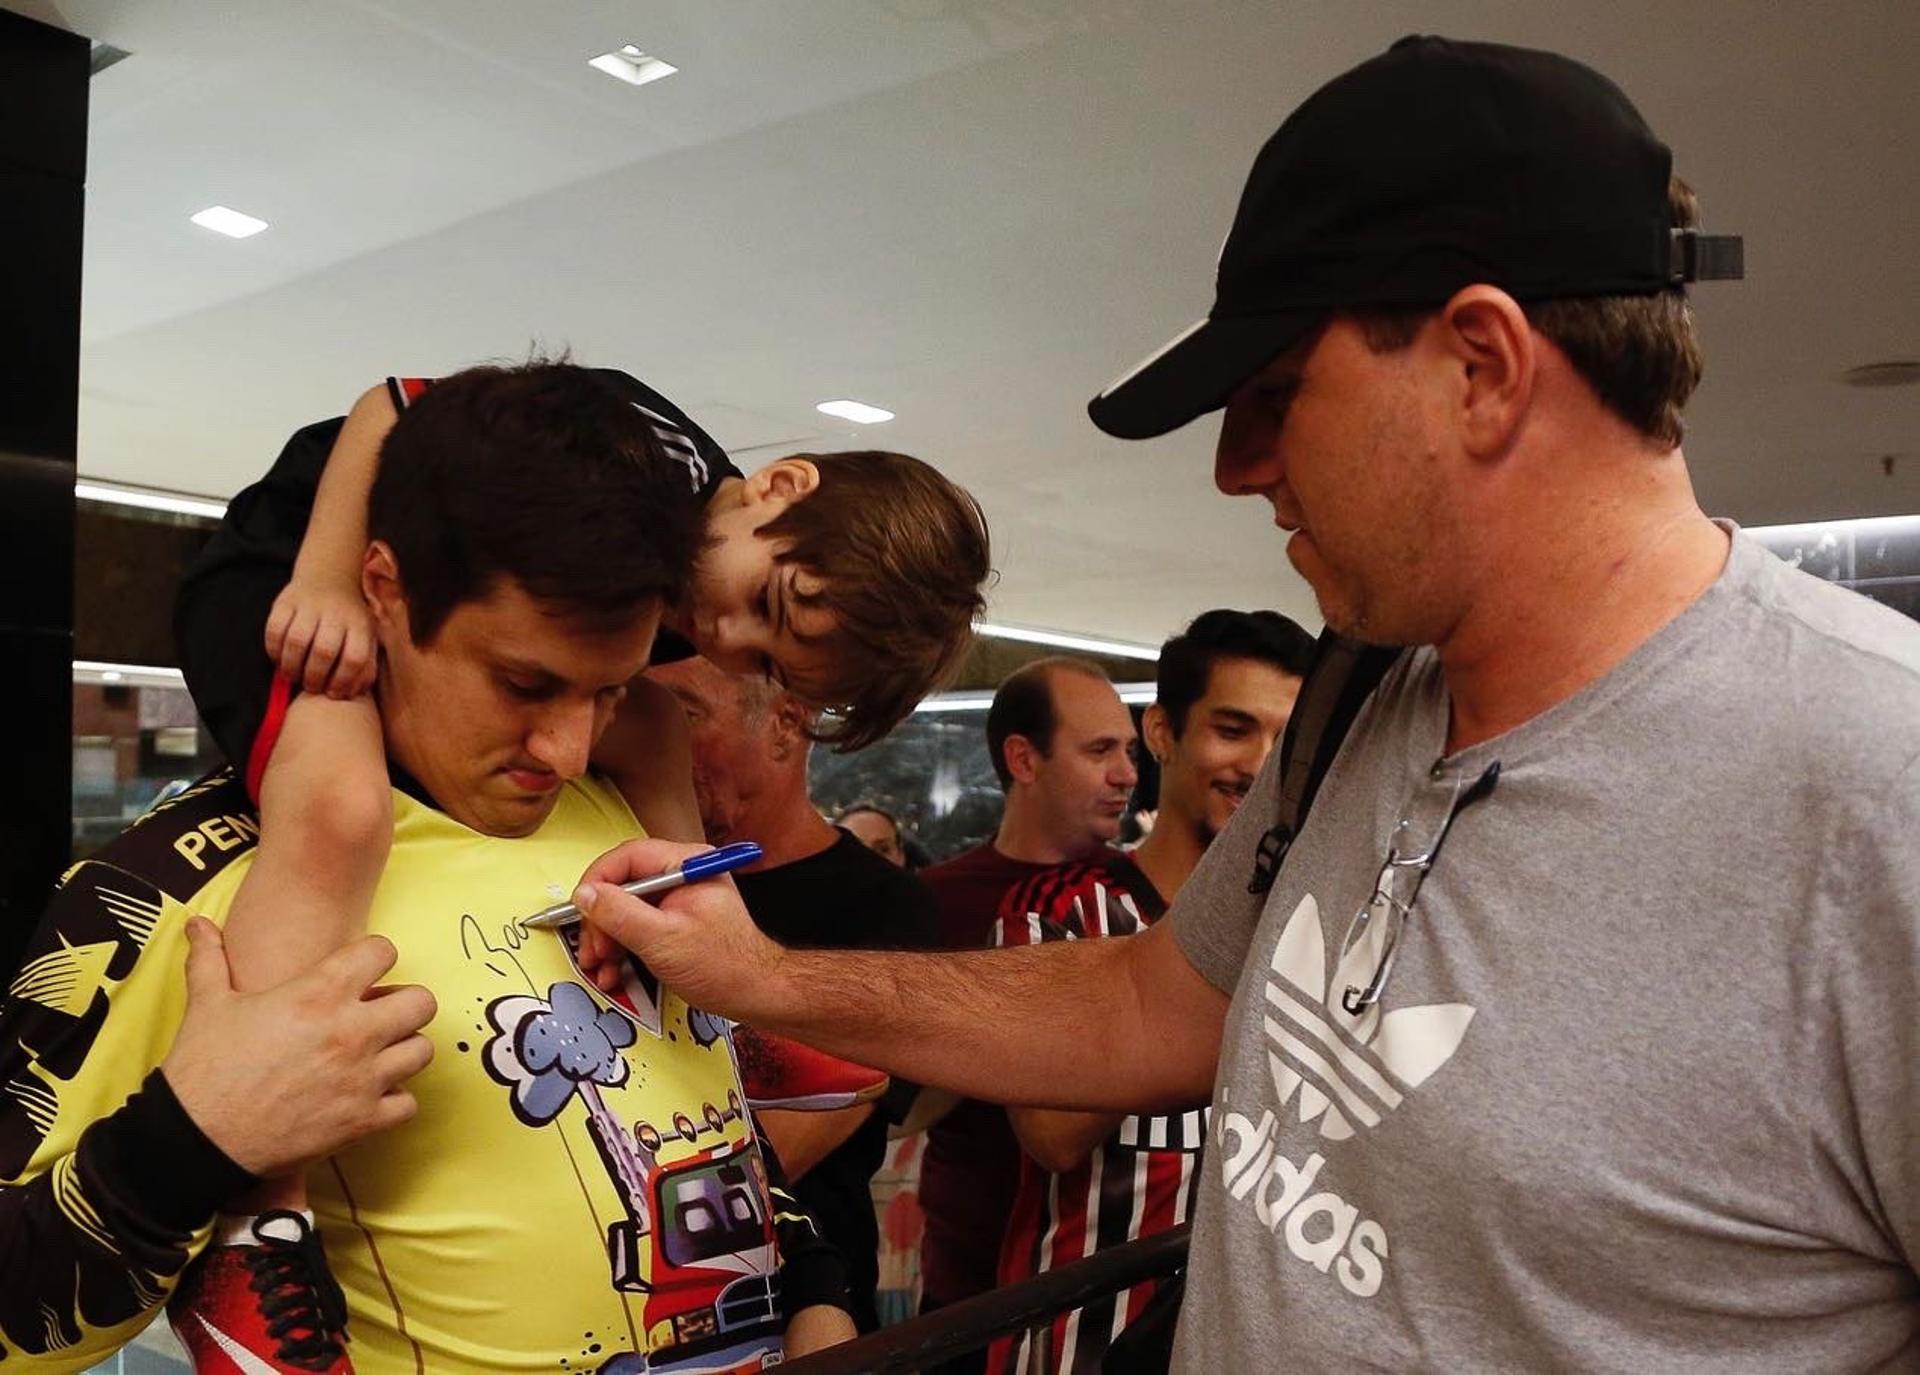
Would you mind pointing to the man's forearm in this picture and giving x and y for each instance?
(91, 1245)
(971, 1022)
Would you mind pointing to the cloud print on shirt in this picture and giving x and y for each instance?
(545, 1049)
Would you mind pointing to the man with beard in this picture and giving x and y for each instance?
(1089, 1180)
(1574, 1029)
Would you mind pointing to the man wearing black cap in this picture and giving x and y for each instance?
(1627, 1075)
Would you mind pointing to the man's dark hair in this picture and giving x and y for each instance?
(1638, 353)
(1187, 660)
(541, 475)
(1023, 705)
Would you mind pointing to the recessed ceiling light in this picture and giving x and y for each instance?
(632, 66)
(859, 412)
(229, 222)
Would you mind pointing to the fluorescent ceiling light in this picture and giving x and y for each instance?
(859, 412)
(1134, 694)
(632, 66)
(1060, 640)
(126, 675)
(1861, 527)
(148, 500)
(954, 701)
(229, 222)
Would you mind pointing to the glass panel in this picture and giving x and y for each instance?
(932, 774)
(1879, 558)
(130, 744)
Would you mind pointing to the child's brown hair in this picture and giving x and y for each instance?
(902, 555)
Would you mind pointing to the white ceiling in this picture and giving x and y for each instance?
(972, 212)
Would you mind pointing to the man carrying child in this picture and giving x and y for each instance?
(576, 1177)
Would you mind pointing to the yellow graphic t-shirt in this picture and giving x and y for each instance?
(580, 1190)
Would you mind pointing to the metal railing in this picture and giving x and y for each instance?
(973, 1323)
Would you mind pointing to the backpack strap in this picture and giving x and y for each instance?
(1344, 674)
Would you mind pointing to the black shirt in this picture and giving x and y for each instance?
(846, 897)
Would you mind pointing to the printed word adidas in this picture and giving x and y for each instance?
(1251, 1164)
(1342, 1071)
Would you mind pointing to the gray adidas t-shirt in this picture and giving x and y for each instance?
(1646, 1090)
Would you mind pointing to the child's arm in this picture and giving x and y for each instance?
(647, 754)
(326, 812)
(319, 632)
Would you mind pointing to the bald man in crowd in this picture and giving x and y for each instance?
(1088, 1180)
(814, 885)
(1062, 744)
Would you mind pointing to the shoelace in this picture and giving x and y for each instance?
(305, 1309)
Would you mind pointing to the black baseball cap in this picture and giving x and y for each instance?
(1436, 165)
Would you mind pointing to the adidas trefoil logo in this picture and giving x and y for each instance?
(1346, 1069)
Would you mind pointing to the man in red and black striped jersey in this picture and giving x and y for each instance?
(1091, 1180)
(1062, 746)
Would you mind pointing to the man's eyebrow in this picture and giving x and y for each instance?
(528, 668)
(1233, 716)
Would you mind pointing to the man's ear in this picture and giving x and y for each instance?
(380, 586)
(792, 720)
(1495, 354)
(781, 483)
(1156, 727)
(1023, 758)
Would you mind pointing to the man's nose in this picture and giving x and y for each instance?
(1257, 755)
(1246, 460)
(1126, 773)
(564, 738)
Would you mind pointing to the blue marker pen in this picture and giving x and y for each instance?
(691, 870)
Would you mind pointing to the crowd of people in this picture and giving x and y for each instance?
(1628, 1077)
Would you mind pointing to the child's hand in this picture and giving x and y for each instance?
(321, 636)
